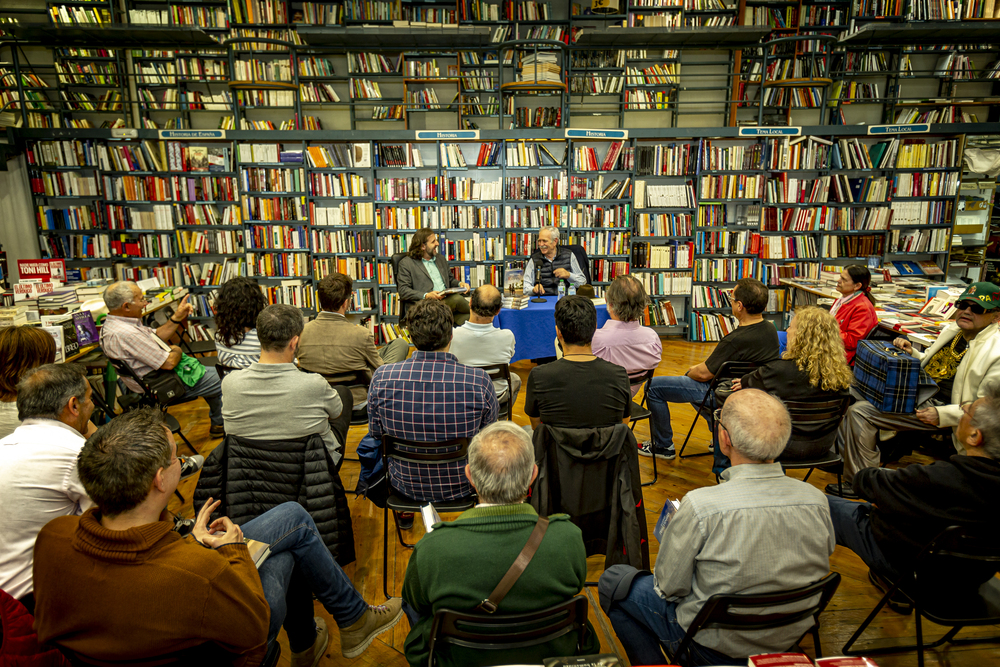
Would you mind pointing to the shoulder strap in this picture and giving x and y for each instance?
(490, 604)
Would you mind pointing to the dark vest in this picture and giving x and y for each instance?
(544, 268)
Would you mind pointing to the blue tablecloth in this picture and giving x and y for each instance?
(534, 328)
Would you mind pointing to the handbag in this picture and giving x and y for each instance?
(890, 379)
(165, 385)
(490, 604)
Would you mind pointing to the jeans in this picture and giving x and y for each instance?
(208, 387)
(644, 622)
(296, 546)
(853, 528)
(664, 390)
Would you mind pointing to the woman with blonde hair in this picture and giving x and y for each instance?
(21, 349)
(812, 368)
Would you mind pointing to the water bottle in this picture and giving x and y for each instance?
(572, 289)
(562, 290)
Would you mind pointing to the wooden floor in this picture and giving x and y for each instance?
(854, 599)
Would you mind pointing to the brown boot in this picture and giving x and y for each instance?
(379, 618)
(312, 655)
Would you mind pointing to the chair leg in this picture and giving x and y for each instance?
(187, 442)
(385, 552)
(819, 647)
(864, 625)
(179, 496)
(698, 413)
(651, 439)
(920, 637)
(399, 532)
(806, 478)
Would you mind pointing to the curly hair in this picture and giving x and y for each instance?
(818, 349)
(237, 305)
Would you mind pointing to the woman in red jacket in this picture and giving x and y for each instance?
(855, 310)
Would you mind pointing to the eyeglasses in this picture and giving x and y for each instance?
(976, 308)
(717, 417)
(967, 407)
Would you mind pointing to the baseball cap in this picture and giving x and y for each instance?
(985, 294)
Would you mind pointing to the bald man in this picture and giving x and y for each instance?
(479, 343)
(757, 532)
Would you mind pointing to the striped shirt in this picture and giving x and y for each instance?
(128, 340)
(242, 354)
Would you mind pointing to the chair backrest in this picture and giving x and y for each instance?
(509, 631)
(581, 259)
(502, 372)
(970, 556)
(818, 414)
(730, 370)
(390, 450)
(124, 370)
(750, 612)
(643, 378)
(224, 370)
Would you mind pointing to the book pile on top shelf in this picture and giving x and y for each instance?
(541, 67)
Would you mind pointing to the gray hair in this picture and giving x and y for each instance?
(44, 392)
(627, 298)
(986, 419)
(501, 460)
(553, 231)
(758, 424)
(277, 325)
(118, 294)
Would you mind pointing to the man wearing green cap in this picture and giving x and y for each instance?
(963, 360)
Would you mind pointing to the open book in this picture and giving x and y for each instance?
(453, 290)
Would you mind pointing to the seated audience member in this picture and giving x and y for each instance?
(623, 340)
(332, 346)
(754, 340)
(237, 305)
(21, 349)
(855, 309)
(965, 356)
(550, 264)
(447, 569)
(97, 574)
(38, 479)
(423, 274)
(144, 350)
(274, 400)
(758, 532)
(909, 507)
(430, 397)
(580, 390)
(479, 343)
(811, 369)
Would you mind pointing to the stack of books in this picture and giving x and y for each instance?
(541, 67)
(516, 301)
(60, 301)
(13, 316)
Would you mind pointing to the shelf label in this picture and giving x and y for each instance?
(124, 133)
(770, 131)
(454, 135)
(595, 134)
(192, 134)
(909, 128)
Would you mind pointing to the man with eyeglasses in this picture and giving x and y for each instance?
(965, 356)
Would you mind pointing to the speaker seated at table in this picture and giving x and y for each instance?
(551, 263)
(423, 274)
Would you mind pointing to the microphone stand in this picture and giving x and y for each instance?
(538, 299)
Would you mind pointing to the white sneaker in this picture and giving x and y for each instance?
(646, 449)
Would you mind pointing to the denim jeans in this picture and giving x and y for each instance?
(208, 387)
(644, 621)
(853, 527)
(296, 546)
(664, 390)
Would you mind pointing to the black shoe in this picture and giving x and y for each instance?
(217, 431)
(899, 603)
(190, 465)
(847, 494)
(404, 520)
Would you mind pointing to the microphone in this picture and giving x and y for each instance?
(538, 281)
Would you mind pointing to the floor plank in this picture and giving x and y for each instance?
(854, 599)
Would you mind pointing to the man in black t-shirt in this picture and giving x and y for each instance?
(579, 390)
(754, 340)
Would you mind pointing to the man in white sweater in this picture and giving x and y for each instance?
(479, 343)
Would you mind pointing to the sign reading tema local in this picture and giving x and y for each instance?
(759, 131)
(908, 128)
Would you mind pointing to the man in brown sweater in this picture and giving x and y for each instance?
(118, 584)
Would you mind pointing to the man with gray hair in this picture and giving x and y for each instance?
(623, 340)
(479, 343)
(758, 532)
(909, 507)
(145, 350)
(458, 565)
(552, 264)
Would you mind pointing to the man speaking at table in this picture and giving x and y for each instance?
(552, 264)
(424, 274)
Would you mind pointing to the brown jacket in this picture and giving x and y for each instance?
(333, 346)
(131, 595)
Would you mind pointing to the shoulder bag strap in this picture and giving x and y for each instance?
(490, 604)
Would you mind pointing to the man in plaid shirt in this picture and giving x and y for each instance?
(430, 397)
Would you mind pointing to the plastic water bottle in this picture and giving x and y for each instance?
(562, 290)
(572, 289)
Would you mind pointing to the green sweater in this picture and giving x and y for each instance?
(459, 564)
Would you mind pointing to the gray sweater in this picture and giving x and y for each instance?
(278, 401)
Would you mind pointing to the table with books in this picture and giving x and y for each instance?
(534, 326)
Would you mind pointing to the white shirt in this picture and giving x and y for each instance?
(483, 345)
(38, 482)
(8, 418)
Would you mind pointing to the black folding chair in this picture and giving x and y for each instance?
(224, 370)
(639, 411)
(729, 370)
(750, 612)
(191, 346)
(492, 632)
(502, 372)
(961, 548)
(819, 413)
(400, 503)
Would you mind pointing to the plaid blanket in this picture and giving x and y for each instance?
(887, 377)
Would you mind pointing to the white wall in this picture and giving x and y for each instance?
(18, 229)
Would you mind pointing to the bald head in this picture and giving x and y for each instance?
(118, 295)
(758, 424)
(501, 463)
(485, 304)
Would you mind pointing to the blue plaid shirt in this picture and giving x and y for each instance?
(430, 397)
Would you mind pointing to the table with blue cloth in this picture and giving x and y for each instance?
(534, 328)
